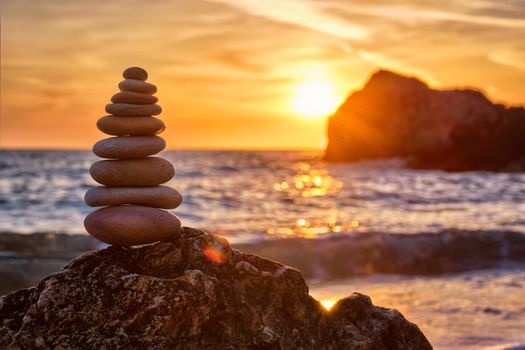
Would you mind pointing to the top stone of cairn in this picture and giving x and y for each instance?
(135, 73)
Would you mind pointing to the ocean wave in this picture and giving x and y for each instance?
(333, 257)
(262, 193)
(364, 254)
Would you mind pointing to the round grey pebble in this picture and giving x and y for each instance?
(137, 86)
(134, 98)
(135, 73)
(137, 125)
(125, 147)
(127, 109)
(157, 196)
(129, 225)
(139, 172)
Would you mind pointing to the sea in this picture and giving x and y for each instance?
(445, 249)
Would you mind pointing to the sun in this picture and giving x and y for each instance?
(314, 99)
(328, 303)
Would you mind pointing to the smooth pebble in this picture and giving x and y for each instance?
(137, 125)
(139, 172)
(134, 98)
(127, 109)
(137, 86)
(135, 73)
(125, 147)
(129, 225)
(157, 196)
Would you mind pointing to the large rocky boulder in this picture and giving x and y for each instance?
(456, 130)
(193, 293)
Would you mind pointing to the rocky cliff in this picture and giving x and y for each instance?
(194, 292)
(455, 130)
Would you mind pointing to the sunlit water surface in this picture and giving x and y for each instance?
(252, 196)
(475, 311)
(248, 196)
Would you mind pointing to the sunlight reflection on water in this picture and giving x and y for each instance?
(309, 182)
(473, 310)
(248, 196)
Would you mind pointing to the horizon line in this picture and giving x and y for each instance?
(227, 149)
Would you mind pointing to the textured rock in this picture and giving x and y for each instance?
(126, 109)
(120, 126)
(129, 147)
(135, 73)
(158, 196)
(134, 97)
(137, 86)
(129, 225)
(397, 116)
(191, 292)
(140, 172)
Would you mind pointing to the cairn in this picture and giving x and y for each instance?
(133, 198)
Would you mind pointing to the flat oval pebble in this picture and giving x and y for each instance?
(124, 147)
(157, 196)
(137, 125)
(128, 225)
(127, 109)
(140, 172)
(134, 98)
(135, 73)
(137, 86)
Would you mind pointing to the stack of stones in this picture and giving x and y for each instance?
(132, 196)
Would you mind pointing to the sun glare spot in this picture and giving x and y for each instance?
(214, 254)
(328, 303)
(301, 222)
(315, 99)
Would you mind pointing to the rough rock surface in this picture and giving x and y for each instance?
(194, 292)
(455, 130)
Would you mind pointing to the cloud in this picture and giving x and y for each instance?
(308, 14)
(508, 58)
(61, 59)
(410, 13)
(391, 63)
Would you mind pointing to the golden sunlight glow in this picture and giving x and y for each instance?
(214, 254)
(327, 303)
(314, 99)
(309, 182)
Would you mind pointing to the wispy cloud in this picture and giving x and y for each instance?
(396, 65)
(416, 14)
(239, 60)
(509, 58)
(308, 14)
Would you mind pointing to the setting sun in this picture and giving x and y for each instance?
(328, 304)
(315, 99)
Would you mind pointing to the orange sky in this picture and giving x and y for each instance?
(240, 73)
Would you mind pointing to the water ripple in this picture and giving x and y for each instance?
(259, 195)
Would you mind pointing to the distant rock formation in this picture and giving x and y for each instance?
(192, 292)
(454, 130)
